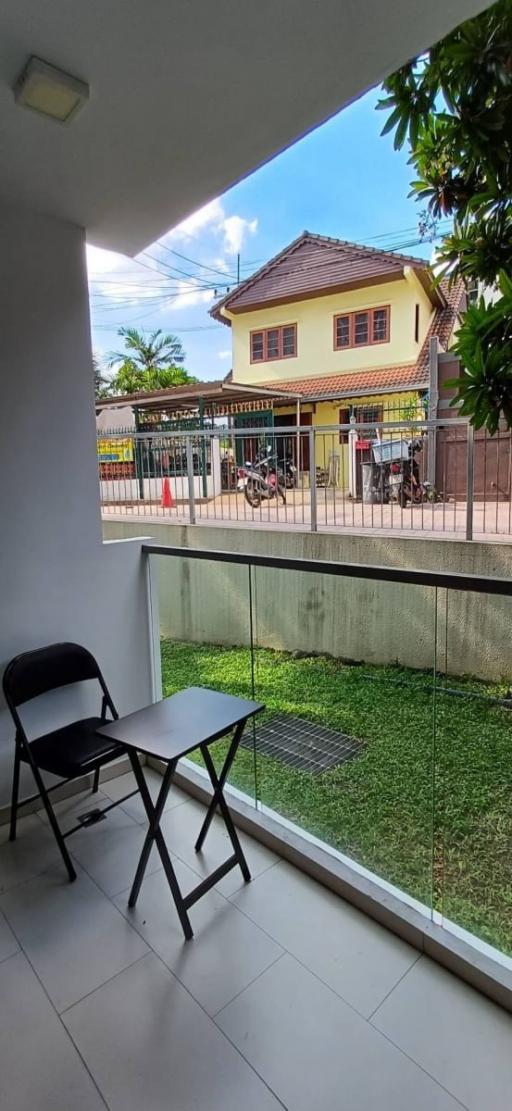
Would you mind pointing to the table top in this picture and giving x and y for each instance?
(179, 724)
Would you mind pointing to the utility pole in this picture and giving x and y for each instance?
(238, 269)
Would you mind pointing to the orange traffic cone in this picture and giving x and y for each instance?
(167, 501)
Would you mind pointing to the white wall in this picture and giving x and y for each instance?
(57, 579)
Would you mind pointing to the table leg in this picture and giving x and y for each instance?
(155, 834)
(219, 800)
(219, 786)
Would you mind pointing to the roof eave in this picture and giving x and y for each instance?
(367, 392)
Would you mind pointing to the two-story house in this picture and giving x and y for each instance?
(344, 326)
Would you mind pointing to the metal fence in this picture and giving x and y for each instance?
(398, 477)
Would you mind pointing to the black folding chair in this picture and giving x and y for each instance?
(70, 752)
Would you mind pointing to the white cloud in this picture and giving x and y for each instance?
(212, 217)
(101, 262)
(190, 296)
(224, 354)
(235, 231)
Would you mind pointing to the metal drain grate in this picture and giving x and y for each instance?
(302, 744)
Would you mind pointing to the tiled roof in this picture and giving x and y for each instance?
(359, 382)
(315, 264)
(444, 319)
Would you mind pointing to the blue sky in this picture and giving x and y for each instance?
(342, 180)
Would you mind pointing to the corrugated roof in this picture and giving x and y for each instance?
(315, 264)
(189, 396)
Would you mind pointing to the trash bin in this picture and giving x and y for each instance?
(369, 491)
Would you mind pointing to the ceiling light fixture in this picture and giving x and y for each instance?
(51, 92)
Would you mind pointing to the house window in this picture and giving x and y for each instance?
(257, 347)
(360, 329)
(274, 343)
(368, 414)
(342, 333)
(344, 418)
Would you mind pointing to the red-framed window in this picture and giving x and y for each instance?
(361, 329)
(274, 343)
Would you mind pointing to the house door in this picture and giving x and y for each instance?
(286, 445)
(248, 447)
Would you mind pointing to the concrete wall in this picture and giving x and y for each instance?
(314, 320)
(58, 580)
(350, 618)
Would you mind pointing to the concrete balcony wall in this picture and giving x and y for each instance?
(354, 619)
(58, 581)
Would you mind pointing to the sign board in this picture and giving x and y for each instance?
(115, 451)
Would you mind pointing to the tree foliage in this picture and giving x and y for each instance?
(148, 363)
(454, 107)
(101, 384)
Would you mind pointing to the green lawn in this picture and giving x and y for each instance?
(429, 809)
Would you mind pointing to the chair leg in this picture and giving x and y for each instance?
(96, 781)
(14, 797)
(54, 824)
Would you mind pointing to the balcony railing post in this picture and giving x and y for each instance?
(190, 478)
(312, 478)
(155, 659)
(470, 473)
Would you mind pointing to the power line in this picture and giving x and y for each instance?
(200, 282)
(194, 262)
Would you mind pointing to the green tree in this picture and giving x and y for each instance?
(454, 106)
(101, 384)
(148, 363)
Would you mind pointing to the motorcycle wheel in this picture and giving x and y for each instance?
(282, 493)
(252, 495)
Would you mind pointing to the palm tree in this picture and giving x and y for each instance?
(159, 350)
(148, 364)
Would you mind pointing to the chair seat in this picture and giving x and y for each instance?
(75, 749)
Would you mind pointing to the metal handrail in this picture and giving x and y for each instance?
(478, 584)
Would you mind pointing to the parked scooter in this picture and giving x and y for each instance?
(404, 483)
(260, 480)
(288, 473)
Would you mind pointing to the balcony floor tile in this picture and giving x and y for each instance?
(287, 999)
(123, 784)
(355, 956)
(33, 851)
(150, 1045)
(39, 1065)
(316, 1052)
(181, 827)
(462, 1039)
(228, 951)
(73, 936)
(8, 943)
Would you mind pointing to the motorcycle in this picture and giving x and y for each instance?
(403, 482)
(260, 480)
(289, 473)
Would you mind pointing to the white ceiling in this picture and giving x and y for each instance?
(187, 96)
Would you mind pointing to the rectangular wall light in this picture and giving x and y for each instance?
(51, 92)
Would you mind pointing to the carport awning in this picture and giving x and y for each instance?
(219, 398)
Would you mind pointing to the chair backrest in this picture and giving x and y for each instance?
(45, 669)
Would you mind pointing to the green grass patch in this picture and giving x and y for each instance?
(427, 805)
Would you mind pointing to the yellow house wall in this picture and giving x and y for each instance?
(326, 413)
(314, 319)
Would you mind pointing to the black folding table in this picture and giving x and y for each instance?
(167, 730)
